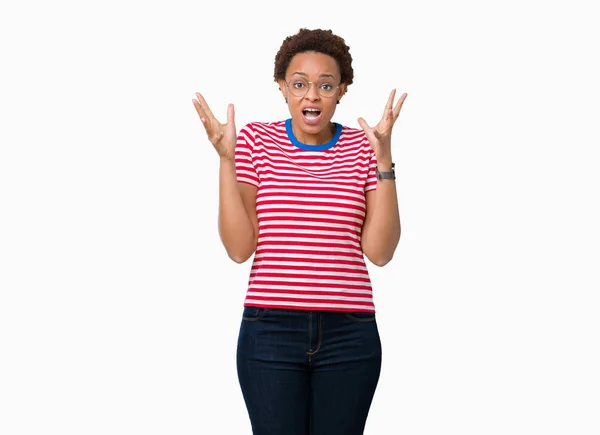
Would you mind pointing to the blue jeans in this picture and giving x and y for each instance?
(308, 372)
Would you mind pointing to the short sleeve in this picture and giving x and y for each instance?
(371, 183)
(244, 167)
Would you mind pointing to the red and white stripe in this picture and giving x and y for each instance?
(310, 207)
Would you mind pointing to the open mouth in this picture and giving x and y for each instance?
(311, 115)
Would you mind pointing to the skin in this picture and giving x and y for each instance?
(312, 67)
(237, 205)
(381, 228)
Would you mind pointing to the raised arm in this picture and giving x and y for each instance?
(381, 228)
(238, 226)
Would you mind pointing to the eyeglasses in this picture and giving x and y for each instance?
(299, 87)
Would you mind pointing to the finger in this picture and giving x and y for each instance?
(209, 125)
(202, 115)
(390, 102)
(363, 124)
(205, 121)
(199, 110)
(230, 114)
(204, 106)
(399, 105)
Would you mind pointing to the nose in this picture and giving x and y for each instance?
(312, 93)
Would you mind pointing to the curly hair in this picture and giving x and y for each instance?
(318, 40)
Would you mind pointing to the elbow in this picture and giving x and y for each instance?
(378, 259)
(380, 262)
(239, 259)
(380, 252)
(377, 255)
(239, 249)
(240, 256)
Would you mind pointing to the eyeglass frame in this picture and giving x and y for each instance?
(308, 88)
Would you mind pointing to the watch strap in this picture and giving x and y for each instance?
(389, 175)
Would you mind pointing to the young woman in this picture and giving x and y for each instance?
(309, 198)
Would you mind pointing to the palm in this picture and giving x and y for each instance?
(222, 136)
(380, 136)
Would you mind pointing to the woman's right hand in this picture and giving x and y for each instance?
(222, 136)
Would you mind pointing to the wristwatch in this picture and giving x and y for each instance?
(391, 175)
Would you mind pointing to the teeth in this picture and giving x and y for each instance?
(312, 110)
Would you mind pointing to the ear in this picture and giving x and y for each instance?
(282, 88)
(343, 87)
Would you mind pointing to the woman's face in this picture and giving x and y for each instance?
(312, 112)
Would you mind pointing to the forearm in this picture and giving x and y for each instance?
(235, 227)
(381, 233)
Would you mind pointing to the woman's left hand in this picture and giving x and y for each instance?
(380, 136)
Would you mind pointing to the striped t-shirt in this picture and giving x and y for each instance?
(310, 206)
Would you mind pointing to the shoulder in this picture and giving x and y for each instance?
(355, 136)
(264, 130)
(351, 130)
(262, 126)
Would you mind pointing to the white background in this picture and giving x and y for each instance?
(119, 309)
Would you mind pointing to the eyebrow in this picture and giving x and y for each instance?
(322, 75)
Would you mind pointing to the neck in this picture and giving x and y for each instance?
(320, 138)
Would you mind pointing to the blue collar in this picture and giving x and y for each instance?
(326, 146)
